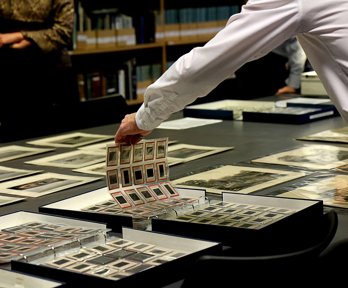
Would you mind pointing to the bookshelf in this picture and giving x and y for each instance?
(132, 43)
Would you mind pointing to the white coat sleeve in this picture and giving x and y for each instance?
(261, 26)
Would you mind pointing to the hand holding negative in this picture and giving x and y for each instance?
(14, 40)
(129, 132)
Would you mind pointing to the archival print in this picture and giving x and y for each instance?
(42, 184)
(71, 140)
(185, 152)
(239, 179)
(7, 173)
(4, 200)
(15, 151)
(309, 156)
(97, 169)
(333, 191)
(339, 135)
(75, 159)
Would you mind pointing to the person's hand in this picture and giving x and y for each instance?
(129, 132)
(14, 40)
(286, 90)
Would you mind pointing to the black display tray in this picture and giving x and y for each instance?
(286, 232)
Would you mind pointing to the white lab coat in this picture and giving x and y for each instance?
(321, 27)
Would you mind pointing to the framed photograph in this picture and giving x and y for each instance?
(96, 169)
(149, 150)
(71, 140)
(332, 190)
(73, 160)
(241, 179)
(43, 184)
(186, 152)
(126, 176)
(314, 156)
(161, 148)
(138, 174)
(138, 152)
(146, 194)
(121, 199)
(113, 179)
(125, 154)
(7, 173)
(112, 155)
(162, 171)
(150, 173)
(11, 152)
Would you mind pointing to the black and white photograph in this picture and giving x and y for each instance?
(71, 140)
(315, 156)
(43, 184)
(12, 152)
(74, 159)
(7, 173)
(241, 179)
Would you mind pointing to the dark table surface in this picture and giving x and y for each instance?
(249, 139)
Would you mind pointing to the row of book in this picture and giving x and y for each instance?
(129, 80)
(109, 28)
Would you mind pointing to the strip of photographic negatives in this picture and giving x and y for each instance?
(97, 169)
(7, 173)
(43, 184)
(186, 152)
(309, 156)
(11, 152)
(241, 179)
(73, 160)
(71, 140)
